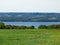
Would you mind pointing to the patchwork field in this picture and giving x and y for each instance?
(30, 37)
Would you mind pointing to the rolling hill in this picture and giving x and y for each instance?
(30, 17)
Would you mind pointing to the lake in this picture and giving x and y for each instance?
(36, 24)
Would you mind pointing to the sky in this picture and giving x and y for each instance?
(30, 6)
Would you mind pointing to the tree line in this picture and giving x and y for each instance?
(53, 26)
(3, 26)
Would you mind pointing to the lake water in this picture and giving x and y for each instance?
(36, 24)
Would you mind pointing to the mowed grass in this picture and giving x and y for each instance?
(30, 37)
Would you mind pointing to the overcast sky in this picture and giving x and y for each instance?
(29, 5)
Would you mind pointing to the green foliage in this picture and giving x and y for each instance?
(42, 27)
(30, 27)
(21, 27)
(53, 26)
(58, 26)
(2, 25)
(8, 27)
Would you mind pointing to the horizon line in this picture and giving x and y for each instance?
(29, 12)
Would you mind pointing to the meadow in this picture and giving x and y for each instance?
(29, 37)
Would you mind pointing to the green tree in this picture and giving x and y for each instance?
(2, 25)
(31, 27)
(58, 26)
(22, 27)
(42, 27)
(53, 26)
(8, 27)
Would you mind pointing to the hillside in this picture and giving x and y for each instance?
(30, 17)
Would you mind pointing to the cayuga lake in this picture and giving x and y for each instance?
(36, 24)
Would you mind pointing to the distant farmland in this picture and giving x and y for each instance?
(30, 37)
(30, 17)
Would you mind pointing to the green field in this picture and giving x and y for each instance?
(30, 37)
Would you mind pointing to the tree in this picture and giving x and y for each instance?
(31, 27)
(2, 25)
(42, 27)
(22, 27)
(58, 26)
(8, 27)
(53, 26)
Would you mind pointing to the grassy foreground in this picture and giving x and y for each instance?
(30, 37)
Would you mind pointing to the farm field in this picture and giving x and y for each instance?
(29, 37)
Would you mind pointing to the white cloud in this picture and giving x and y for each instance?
(29, 5)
